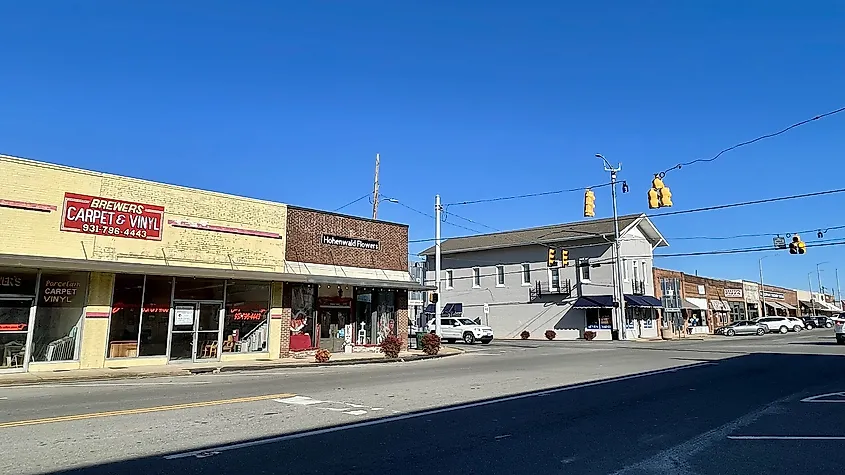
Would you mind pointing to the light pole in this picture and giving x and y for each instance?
(620, 286)
(819, 277)
(838, 291)
(437, 209)
(762, 288)
(812, 297)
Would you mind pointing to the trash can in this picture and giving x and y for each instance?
(420, 336)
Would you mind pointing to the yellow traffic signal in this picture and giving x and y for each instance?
(797, 246)
(653, 199)
(665, 197)
(802, 248)
(589, 203)
(552, 259)
(657, 183)
(564, 257)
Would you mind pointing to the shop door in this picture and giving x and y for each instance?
(196, 331)
(332, 329)
(14, 327)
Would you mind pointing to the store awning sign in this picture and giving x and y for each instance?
(331, 240)
(107, 217)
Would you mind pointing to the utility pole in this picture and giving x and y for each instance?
(621, 286)
(812, 298)
(838, 291)
(437, 210)
(375, 191)
(762, 288)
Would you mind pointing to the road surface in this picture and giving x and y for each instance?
(722, 406)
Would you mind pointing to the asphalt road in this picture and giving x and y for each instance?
(722, 406)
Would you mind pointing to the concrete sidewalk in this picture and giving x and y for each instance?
(187, 369)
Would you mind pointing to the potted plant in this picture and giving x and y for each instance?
(589, 335)
(391, 346)
(430, 344)
(550, 334)
(322, 355)
(524, 335)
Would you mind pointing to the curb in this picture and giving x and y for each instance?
(406, 359)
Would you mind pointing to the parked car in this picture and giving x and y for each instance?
(817, 322)
(460, 328)
(743, 327)
(777, 324)
(799, 324)
(839, 328)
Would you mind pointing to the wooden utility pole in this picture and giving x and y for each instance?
(375, 191)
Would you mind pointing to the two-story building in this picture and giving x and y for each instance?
(508, 273)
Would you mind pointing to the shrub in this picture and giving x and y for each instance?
(431, 344)
(391, 346)
(588, 335)
(550, 334)
(322, 356)
(524, 335)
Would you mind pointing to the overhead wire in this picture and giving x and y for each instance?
(351, 203)
(527, 195)
(747, 203)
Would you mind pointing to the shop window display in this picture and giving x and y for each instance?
(155, 313)
(302, 316)
(599, 318)
(140, 309)
(58, 318)
(377, 309)
(247, 325)
(17, 290)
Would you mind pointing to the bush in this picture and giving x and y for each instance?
(430, 344)
(588, 335)
(391, 346)
(322, 356)
(550, 334)
(524, 335)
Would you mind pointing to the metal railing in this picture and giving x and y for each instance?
(542, 289)
(638, 287)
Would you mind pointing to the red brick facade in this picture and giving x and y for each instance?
(305, 230)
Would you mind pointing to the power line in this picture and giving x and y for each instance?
(351, 202)
(822, 230)
(428, 215)
(747, 203)
(527, 195)
(749, 142)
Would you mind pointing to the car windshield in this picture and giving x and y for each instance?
(465, 321)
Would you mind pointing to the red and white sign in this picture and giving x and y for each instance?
(108, 217)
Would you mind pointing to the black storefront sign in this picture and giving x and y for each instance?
(357, 243)
(15, 283)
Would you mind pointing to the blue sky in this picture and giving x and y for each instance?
(290, 101)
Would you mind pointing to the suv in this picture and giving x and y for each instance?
(460, 328)
(839, 328)
(779, 324)
(817, 322)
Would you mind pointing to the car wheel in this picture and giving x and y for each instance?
(761, 331)
(828, 325)
(797, 328)
(810, 326)
(469, 338)
(730, 332)
(784, 329)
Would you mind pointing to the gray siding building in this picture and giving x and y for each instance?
(509, 272)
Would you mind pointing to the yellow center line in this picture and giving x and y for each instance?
(142, 410)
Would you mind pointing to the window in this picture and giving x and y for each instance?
(246, 325)
(598, 318)
(584, 265)
(526, 274)
(58, 319)
(476, 277)
(125, 322)
(155, 314)
(554, 280)
(636, 272)
(449, 279)
(624, 269)
(645, 274)
(500, 276)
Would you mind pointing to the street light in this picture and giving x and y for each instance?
(621, 289)
(819, 276)
(762, 288)
(812, 298)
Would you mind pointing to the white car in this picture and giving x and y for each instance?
(839, 328)
(779, 324)
(798, 324)
(460, 328)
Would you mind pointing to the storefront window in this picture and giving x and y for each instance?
(125, 315)
(17, 282)
(599, 318)
(364, 313)
(58, 318)
(198, 289)
(247, 324)
(154, 316)
(302, 316)
(737, 311)
(14, 319)
(384, 323)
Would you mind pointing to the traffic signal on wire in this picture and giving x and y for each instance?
(552, 258)
(564, 257)
(659, 196)
(797, 246)
(589, 203)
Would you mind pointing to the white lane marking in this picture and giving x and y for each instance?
(299, 400)
(356, 412)
(821, 397)
(442, 410)
(103, 384)
(504, 436)
(786, 437)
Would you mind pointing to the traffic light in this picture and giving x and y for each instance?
(552, 258)
(589, 203)
(797, 246)
(433, 297)
(659, 196)
(564, 257)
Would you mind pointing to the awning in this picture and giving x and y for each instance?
(452, 309)
(429, 308)
(819, 306)
(643, 301)
(594, 301)
(695, 303)
(720, 306)
(775, 305)
(785, 305)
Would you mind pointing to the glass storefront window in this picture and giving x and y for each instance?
(302, 316)
(14, 319)
(385, 315)
(155, 315)
(58, 318)
(125, 315)
(598, 318)
(246, 324)
(198, 289)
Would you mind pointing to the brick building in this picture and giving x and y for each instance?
(98, 270)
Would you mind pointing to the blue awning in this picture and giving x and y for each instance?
(594, 301)
(644, 301)
(429, 308)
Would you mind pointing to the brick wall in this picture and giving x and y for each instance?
(305, 229)
(402, 316)
(659, 273)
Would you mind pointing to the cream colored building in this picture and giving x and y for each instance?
(98, 270)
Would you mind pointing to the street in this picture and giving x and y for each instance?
(719, 406)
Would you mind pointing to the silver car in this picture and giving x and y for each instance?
(745, 327)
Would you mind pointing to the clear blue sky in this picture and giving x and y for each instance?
(290, 101)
